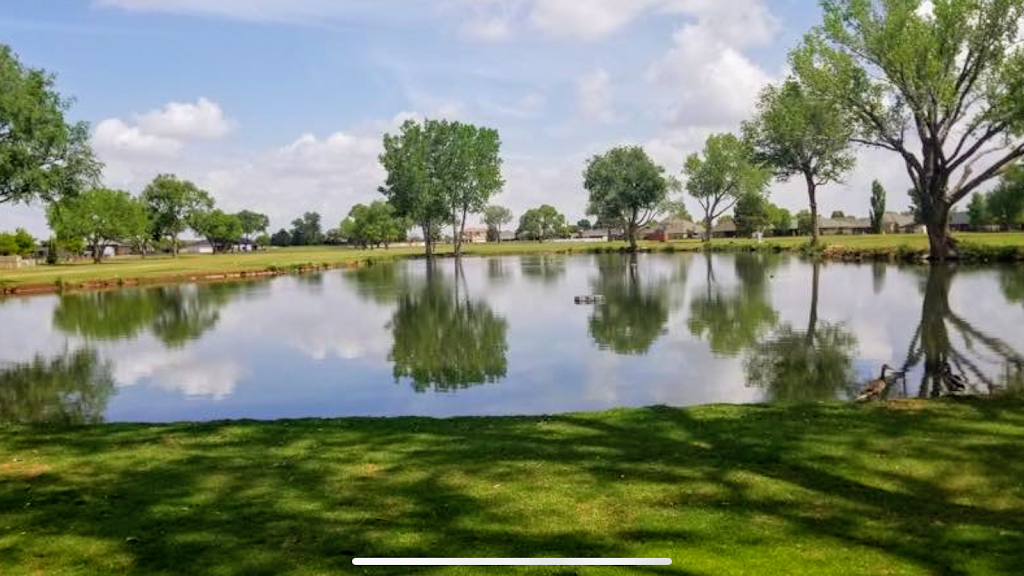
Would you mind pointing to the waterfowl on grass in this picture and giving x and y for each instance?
(875, 388)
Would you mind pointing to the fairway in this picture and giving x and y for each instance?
(910, 488)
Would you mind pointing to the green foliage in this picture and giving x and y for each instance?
(838, 214)
(734, 319)
(724, 174)
(751, 214)
(306, 231)
(779, 219)
(220, 229)
(584, 224)
(951, 77)
(253, 223)
(625, 186)
(1005, 203)
(542, 223)
(171, 203)
(20, 243)
(798, 131)
(877, 206)
(804, 222)
(263, 240)
(439, 171)
(100, 217)
(373, 225)
(281, 238)
(977, 210)
(496, 218)
(42, 156)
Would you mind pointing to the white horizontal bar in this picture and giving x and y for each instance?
(512, 561)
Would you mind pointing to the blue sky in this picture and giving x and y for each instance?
(280, 106)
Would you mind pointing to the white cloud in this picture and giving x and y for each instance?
(113, 138)
(708, 81)
(594, 96)
(179, 371)
(203, 120)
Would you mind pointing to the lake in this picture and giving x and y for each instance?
(503, 336)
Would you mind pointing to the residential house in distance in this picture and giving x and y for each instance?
(960, 222)
(474, 235)
(196, 247)
(671, 229)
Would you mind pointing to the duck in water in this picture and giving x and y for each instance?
(876, 388)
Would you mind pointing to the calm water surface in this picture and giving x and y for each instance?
(503, 336)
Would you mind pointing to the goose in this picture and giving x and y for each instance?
(875, 388)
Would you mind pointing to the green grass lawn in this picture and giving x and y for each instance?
(167, 268)
(907, 488)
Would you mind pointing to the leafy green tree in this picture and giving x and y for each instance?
(798, 132)
(220, 229)
(496, 218)
(779, 219)
(542, 223)
(633, 314)
(675, 208)
(722, 176)
(751, 214)
(837, 214)
(101, 217)
(116, 315)
(444, 340)
(306, 231)
(877, 206)
(42, 155)
(977, 210)
(264, 240)
(468, 163)
(20, 243)
(1005, 203)
(253, 224)
(584, 224)
(626, 186)
(949, 74)
(281, 238)
(804, 222)
(70, 389)
(372, 225)
(440, 171)
(171, 203)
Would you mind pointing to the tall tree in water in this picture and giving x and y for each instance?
(937, 83)
(797, 132)
(732, 319)
(42, 155)
(722, 175)
(626, 186)
(877, 206)
(634, 311)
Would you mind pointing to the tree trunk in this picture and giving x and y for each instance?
(462, 230)
(174, 245)
(631, 230)
(941, 245)
(812, 196)
(707, 228)
(97, 252)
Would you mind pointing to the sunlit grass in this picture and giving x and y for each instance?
(910, 488)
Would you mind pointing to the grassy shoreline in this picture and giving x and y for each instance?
(904, 488)
(190, 268)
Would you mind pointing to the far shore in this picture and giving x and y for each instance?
(135, 271)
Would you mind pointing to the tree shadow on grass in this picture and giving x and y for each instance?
(914, 488)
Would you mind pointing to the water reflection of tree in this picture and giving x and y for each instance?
(175, 314)
(443, 339)
(878, 272)
(547, 268)
(73, 388)
(1011, 279)
(794, 365)
(947, 367)
(633, 313)
(732, 320)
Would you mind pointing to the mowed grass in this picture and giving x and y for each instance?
(188, 266)
(912, 488)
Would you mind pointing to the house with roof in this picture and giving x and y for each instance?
(671, 229)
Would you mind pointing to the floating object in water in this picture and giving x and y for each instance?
(595, 299)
